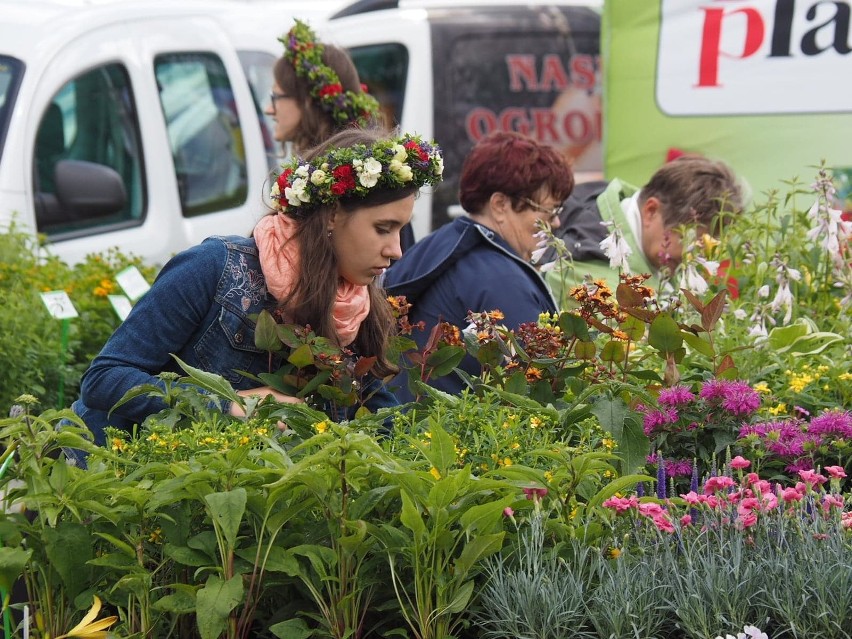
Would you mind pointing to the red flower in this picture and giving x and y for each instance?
(344, 179)
(284, 180)
(411, 145)
(331, 89)
(731, 283)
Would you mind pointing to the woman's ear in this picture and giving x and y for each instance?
(650, 210)
(500, 205)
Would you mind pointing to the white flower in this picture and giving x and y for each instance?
(369, 172)
(549, 266)
(763, 291)
(399, 153)
(740, 314)
(439, 165)
(691, 280)
(783, 299)
(318, 176)
(754, 632)
(301, 171)
(402, 171)
(616, 249)
(711, 266)
(295, 193)
(275, 191)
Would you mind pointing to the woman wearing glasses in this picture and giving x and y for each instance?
(509, 185)
(316, 92)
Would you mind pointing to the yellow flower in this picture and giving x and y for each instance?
(778, 409)
(614, 553)
(535, 422)
(608, 443)
(321, 427)
(845, 377)
(435, 473)
(507, 461)
(117, 444)
(88, 628)
(548, 475)
(515, 445)
(762, 387)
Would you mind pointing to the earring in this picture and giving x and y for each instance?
(329, 233)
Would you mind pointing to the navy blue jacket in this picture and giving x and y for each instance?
(200, 308)
(463, 267)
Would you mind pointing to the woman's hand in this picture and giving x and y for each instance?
(263, 391)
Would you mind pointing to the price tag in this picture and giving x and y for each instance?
(59, 305)
(121, 305)
(132, 283)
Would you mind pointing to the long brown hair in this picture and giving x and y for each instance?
(316, 124)
(312, 299)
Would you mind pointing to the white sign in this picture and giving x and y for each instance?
(59, 305)
(121, 305)
(132, 283)
(725, 57)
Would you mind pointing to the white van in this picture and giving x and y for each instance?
(455, 70)
(132, 124)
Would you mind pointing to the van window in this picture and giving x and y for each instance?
(10, 77)
(383, 68)
(258, 67)
(93, 120)
(204, 131)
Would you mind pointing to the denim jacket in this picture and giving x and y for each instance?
(200, 309)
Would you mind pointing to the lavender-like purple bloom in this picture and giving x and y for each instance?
(661, 477)
(675, 396)
(834, 422)
(739, 398)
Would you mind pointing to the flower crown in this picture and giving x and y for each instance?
(354, 171)
(305, 54)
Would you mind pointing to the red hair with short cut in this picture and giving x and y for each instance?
(515, 165)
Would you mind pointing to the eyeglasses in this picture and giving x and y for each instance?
(551, 213)
(274, 97)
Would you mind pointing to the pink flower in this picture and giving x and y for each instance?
(535, 493)
(832, 501)
(812, 478)
(751, 478)
(790, 495)
(846, 519)
(686, 520)
(749, 519)
(508, 512)
(836, 472)
(740, 462)
(621, 504)
(692, 498)
(663, 523)
(717, 483)
(651, 510)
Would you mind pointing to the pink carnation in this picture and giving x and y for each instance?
(740, 462)
(836, 472)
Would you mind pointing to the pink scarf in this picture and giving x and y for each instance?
(280, 261)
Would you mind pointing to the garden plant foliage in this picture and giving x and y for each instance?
(644, 464)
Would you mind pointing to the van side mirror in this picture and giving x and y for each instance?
(88, 190)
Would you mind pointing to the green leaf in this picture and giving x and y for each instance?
(69, 548)
(266, 333)
(613, 351)
(812, 344)
(187, 556)
(461, 598)
(210, 382)
(410, 516)
(477, 549)
(181, 602)
(291, 629)
(12, 563)
(698, 344)
(301, 356)
(782, 337)
(214, 603)
(123, 546)
(226, 511)
(484, 517)
(585, 350)
(634, 327)
(441, 451)
(610, 413)
(664, 334)
(573, 325)
(445, 359)
(278, 559)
